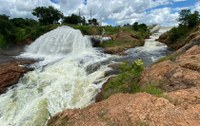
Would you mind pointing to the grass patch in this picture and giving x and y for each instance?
(120, 44)
(128, 81)
(151, 88)
(169, 57)
(87, 30)
(110, 30)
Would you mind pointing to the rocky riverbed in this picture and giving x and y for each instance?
(179, 105)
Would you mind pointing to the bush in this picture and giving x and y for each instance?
(177, 33)
(2, 41)
(140, 27)
(128, 81)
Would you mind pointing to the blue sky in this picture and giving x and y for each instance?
(55, 1)
(181, 4)
(111, 12)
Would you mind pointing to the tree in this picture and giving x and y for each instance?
(183, 16)
(74, 19)
(20, 22)
(6, 30)
(93, 22)
(193, 19)
(135, 26)
(48, 15)
(140, 27)
(188, 19)
(4, 17)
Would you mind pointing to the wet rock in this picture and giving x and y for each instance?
(155, 29)
(11, 72)
(111, 72)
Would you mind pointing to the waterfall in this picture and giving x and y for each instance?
(62, 83)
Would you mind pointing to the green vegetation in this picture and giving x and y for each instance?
(74, 19)
(123, 38)
(171, 57)
(93, 22)
(128, 81)
(19, 30)
(139, 27)
(110, 30)
(177, 35)
(88, 30)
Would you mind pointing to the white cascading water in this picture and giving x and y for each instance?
(152, 49)
(59, 80)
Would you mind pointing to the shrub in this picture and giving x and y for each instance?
(126, 81)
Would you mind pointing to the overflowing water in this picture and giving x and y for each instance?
(59, 81)
(150, 52)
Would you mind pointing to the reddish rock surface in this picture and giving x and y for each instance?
(132, 110)
(10, 73)
(182, 73)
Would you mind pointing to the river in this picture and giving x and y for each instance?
(61, 79)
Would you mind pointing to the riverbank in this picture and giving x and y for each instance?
(123, 40)
(11, 72)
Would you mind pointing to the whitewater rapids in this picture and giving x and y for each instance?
(59, 81)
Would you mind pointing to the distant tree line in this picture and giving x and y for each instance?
(50, 15)
(138, 27)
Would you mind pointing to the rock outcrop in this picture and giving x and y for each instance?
(11, 72)
(128, 40)
(182, 73)
(133, 110)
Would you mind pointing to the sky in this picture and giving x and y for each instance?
(108, 12)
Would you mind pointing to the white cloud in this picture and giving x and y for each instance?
(121, 11)
(163, 16)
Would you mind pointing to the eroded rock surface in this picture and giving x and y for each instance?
(11, 72)
(182, 73)
(130, 110)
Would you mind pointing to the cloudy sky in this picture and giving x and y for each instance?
(112, 12)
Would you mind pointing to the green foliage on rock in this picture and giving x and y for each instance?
(88, 30)
(177, 35)
(178, 32)
(47, 15)
(128, 81)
